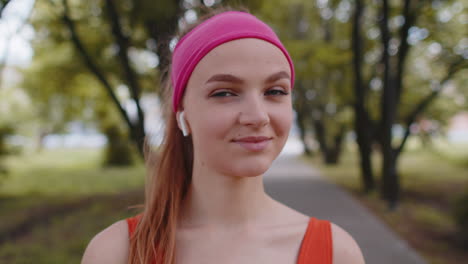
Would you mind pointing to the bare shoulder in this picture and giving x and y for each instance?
(345, 248)
(109, 246)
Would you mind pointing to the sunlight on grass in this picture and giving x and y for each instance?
(456, 153)
(68, 172)
(416, 166)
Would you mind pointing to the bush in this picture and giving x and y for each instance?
(5, 130)
(119, 149)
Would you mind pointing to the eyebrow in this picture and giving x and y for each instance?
(233, 79)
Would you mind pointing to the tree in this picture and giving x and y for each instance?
(122, 43)
(362, 122)
(88, 42)
(395, 46)
(10, 98)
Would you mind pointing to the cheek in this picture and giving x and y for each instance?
(211, 125)
(283, 121)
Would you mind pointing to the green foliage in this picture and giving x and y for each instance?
(430, 59)
(118, 150)
(68, 86)
(15, 115)
(5, 130)
(61, 84)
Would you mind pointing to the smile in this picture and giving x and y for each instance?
(254, 143)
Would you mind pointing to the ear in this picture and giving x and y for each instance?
(182, 123)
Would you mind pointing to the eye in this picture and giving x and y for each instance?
(275, 92)
(223, 94)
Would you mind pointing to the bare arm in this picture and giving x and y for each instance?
(345, 248)
(109, 246)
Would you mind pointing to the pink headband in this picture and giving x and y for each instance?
(208, 35)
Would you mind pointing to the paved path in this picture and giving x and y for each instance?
(300, 186)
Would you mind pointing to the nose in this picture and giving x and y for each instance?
(254, 112)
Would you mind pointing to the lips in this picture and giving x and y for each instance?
(253, 143)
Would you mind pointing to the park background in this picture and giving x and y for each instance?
(380, 104)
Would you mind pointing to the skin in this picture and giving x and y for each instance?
(227, 214)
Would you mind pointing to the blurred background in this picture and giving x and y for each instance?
(381, 107)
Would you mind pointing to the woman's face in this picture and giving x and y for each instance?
(238, 107)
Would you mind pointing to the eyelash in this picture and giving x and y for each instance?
(281, 92)
(221, 94)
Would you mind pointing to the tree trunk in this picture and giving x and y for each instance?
(332, 156)
(137, 132)
(390, 180)
(390, 186)
(40, 139)
(364, 142)
(300, 115)
(330, 153)
(361, 118)
(320, 135)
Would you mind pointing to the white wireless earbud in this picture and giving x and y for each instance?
(183, 124)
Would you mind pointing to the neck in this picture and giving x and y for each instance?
(220, 200)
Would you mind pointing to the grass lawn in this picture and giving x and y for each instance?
(430, 179)
(52, 203)
(71, 172)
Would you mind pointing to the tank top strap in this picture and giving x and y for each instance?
(317, 246)
(132, 223)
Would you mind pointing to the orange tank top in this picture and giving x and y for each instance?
(316, 247)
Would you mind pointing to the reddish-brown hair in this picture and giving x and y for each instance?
(169, 176)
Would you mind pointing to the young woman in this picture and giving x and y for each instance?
(231, 112)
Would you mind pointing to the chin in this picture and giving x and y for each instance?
(250, 168)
